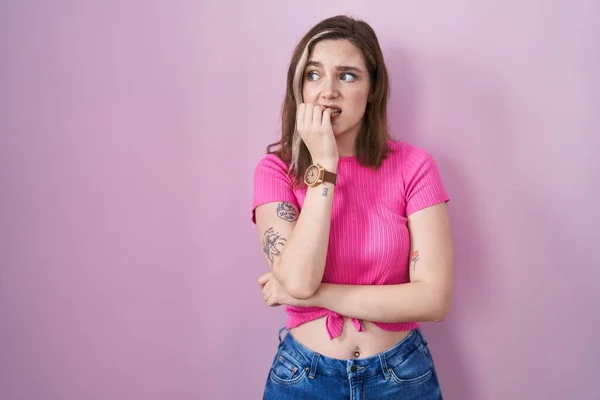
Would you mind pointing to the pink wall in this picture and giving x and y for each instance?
(129, 134)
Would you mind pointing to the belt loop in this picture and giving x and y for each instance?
(313, 365)
(384, 367)
(423, 338)
(279, 334)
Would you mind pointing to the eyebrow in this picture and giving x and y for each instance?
(343, 68)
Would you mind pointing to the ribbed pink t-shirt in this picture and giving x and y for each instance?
(369, 241)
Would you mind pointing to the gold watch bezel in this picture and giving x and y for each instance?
(320, 176)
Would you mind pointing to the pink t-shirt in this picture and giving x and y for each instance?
(369, 241)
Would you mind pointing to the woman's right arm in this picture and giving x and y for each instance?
(296, 246)
(295, 243)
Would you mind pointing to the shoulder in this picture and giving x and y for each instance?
(271, 169)
(272, 162)
(408, 153)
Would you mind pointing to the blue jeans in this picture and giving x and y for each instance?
(405, 371)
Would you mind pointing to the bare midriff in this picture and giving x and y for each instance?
(351, 344)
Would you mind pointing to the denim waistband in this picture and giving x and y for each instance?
(373, 365)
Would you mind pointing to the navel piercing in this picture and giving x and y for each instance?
(356, 352)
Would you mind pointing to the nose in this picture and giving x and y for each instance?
(330, 89)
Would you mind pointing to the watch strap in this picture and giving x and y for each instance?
(329, 177)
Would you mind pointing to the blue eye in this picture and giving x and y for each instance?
(352, 77)
(311, 74)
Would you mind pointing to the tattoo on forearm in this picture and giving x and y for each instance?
(287, 212)
(325, 191)
(415, 258)
(272, 244)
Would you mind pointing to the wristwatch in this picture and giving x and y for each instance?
(316, 174)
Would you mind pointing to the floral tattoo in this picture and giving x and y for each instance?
(415, 258)
(272, 245)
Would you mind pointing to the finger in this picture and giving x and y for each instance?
(266, 291)
(308, 112)
(326, 121)
(271, 300)
(300, 116)
(317, 117)
(264, 278)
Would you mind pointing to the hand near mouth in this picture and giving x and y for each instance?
(313, 123)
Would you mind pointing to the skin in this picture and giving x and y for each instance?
(295, 244)
(335, 75)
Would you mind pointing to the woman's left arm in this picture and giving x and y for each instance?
(426, 297)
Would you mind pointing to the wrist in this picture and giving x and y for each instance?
(330, 164)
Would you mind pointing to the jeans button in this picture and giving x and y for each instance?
(353, 368)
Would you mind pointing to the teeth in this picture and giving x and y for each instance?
(335, 111)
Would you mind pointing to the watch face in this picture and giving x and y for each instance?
(312, 173)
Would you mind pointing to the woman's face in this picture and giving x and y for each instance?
(336, 75)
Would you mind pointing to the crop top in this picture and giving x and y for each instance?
(369, 241)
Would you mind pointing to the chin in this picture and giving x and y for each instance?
(338, 131)
(342, 130)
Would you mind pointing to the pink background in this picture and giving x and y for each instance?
(129, 135)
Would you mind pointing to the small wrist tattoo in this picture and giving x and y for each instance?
(325, 191)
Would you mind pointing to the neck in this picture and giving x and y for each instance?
(346, 144)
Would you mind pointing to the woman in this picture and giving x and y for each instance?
(354, 227)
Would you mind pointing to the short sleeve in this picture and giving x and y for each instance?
(272, 183)
(423, 186)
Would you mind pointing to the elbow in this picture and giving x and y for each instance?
(440, 310)
(438, 316)
(300, 291)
